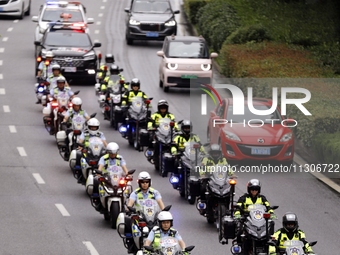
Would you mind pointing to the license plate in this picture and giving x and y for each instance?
(70, 69)
(152, 34)
(189, 76)
(260, 151)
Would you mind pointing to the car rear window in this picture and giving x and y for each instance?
(250, 116)
(151, 6)
(67, 39)
(54, 15)
(187, 50)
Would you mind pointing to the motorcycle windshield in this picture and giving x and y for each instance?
(114, 83)
(219, 181)
(137, 110)
(62, 99)
(169, 246)
(116, 173)
(164, 130)
(294, 247)
(78, 122)
(96, 146)
(149, 209)
(255, 217)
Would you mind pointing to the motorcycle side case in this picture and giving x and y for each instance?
(144, 137)
(43, 100)
(229, 227)
(72, 159)
(101, 99)
(169, 163)
(61, 137)
(121, 224)
(195, 186)
(46, 111)
(89, 185)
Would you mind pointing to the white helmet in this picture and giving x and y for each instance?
(165, 215)
(112, 148)
(77, 101)
(49, 54)
(56, 67)
(144, 176)
(93, 123)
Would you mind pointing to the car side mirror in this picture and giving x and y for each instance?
(213, 55)
(37, 43)
(90, 20)
(97, 44)
(176, 12)
(127, 10)
(160, 53)
(35, 18)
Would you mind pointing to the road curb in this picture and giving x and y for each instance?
(297, 158)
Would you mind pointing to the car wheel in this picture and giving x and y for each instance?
(166, 89)
(21, 16)
(28, 12)
(160, 84)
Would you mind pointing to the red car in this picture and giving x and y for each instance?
(250, 137)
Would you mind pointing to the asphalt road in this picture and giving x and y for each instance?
(44, 210)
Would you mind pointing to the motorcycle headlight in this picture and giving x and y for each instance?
(172, 66)
(232, 136)
(170, 23)
(286, 137)
(134, 22)
(90, 55)
(206, 67)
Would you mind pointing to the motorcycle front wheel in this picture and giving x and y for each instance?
(114, 212)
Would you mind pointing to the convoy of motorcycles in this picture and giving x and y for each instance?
(134, 224)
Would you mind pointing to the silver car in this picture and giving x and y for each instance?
(185, 62)
(15, 8)
(63, 11)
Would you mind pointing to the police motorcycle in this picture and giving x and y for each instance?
(114, 191)
(138, 222)
(258, 228)
(163, 136)
(169, 246)
(89, 159)
(293, 247)
(72, 130)
(54, 112)
(220, 191)
(138, 114)
(102, 72)
(186, 180)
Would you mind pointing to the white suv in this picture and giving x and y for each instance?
(15, 8)
(63, 11)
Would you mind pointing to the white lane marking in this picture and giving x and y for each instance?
(62, 210)
(98, 23)
(12, 129)
(91, 248)
(1, 62)
(38, 178)
(1, 76)
(2, 91)
(6, 108)
(102, 7)
(15, 21)
(2, 49)
(96, 31)
(5, 39)
(22, 151)
(100, 15)
(9, 29)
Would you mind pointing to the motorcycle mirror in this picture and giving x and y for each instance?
(131, 209)
(167, 208)
(180, 122)
(271, 242)
(77, 92)
(206, 144)
(150, 98)
(189, 248)
(93, 115)
(131, 171)
(274, 207)
(313, 243)
(127, 83)
(148, 248)
(121, 70)
(70, 82)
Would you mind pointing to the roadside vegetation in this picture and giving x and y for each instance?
(281, 39)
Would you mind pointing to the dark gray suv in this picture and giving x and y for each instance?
(150, 20)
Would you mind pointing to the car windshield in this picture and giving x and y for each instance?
(151, 6)
(54, 15)
(267, 119)
(187, 49)
(67, 39)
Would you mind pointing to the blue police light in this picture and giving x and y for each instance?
(174, 179)
(122, 129)
(235, 249)
(41, 89)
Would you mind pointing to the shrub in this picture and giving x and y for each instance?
(216, 21)
(327, 147)
(191, 8)
(252, 33)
